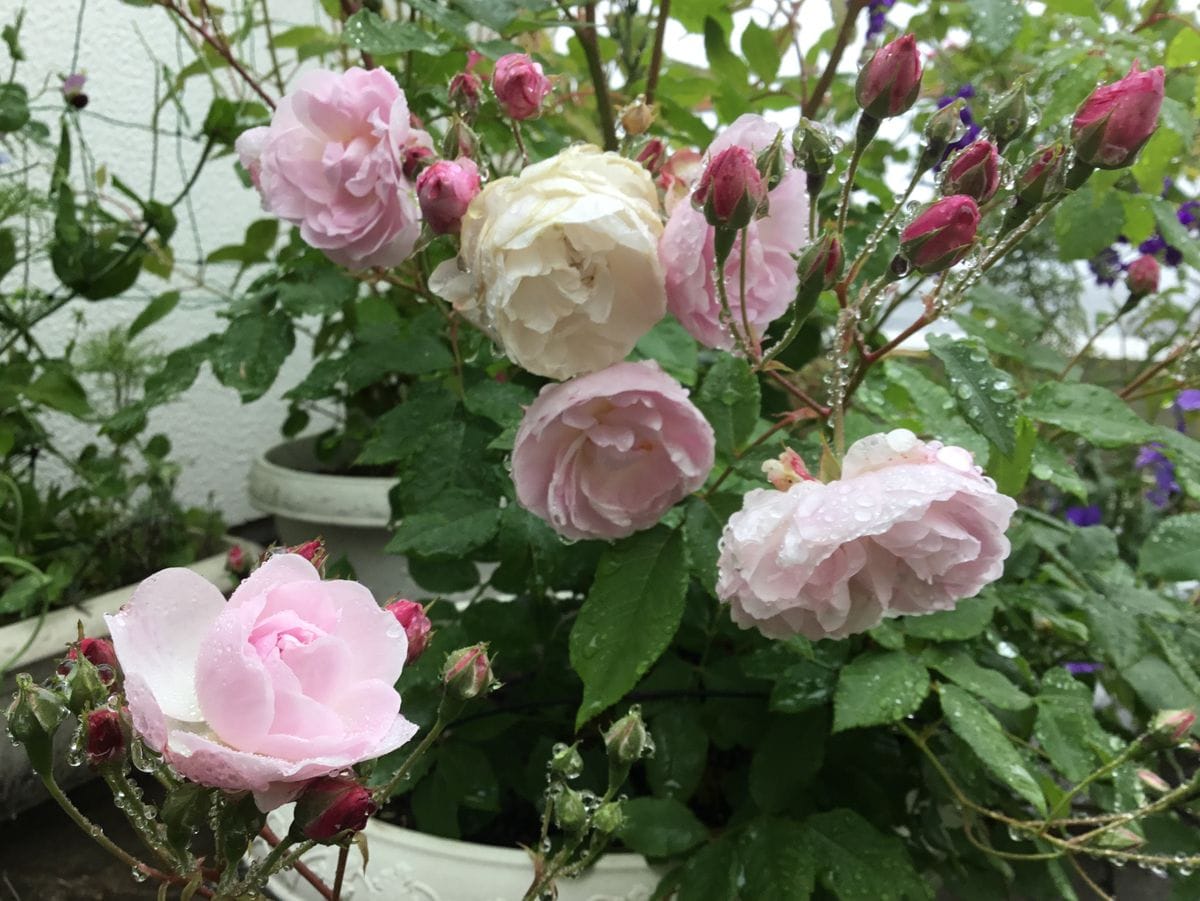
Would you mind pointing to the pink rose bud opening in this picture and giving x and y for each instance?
(730, 189)
(466, 88)
(974, 172)
(416, 158)
(890, 82)
(237, 562)
(1117, 119)
(941, 235)
(519, 86)
(97, 650)
(313, 551)
(1173, 725)
(786, 470)
(653, 156)
(445, 190)
(820, 264)
(411, 616)
(468, 672)
(105, 737)
(1153, 781)
(1042, 178)
(331, 806)
(1142, 278)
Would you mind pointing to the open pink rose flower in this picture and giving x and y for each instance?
(686, 250)
(331, 162)
(607, 454)
(911, 527)
(292, 679)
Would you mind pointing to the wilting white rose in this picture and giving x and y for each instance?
(560, 263)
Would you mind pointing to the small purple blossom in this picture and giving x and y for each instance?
(1082, 668)
(973, 128)
(1106, 266)
(73, 84)
(1187, 401)
(1156, 243)
(1091, 515)
(1165, 487)
(1189, 214)
(877, 11)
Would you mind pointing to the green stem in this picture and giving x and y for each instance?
(881, 231)
(722, 257)
(444, 716)
(867, 126)
(751, 341)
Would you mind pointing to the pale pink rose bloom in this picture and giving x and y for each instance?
(291, 679)
(686, 250)
(607, 454)
(331, 162)
(911, 527)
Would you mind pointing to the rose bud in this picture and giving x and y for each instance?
(445, 190)
(105, 737)
(1153, 781)
(820, 264)
(236, 561)
(786, 470)
(570, 813)
(411, 616)
(731, 189)
(637, 117)
(975, 171)
(653, 156)
(1142, 278)
(942, 130)
(1117, 119)
(466, 88)
(627, 740)
(1042, 177)
(468, 672)
(566, 761)
(1009, 117)
(1171, 727)
(771, 163)
(608, 818)
(812, 148)
(460, 141)
(33, 718)
(519, 86)
(416, 158)
(72, 90)
(313, 551)
(98, 650)
(890, 82)
(941, 235)
(331, 806)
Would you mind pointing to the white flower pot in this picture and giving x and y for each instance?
(410, 866)
(350, 512)
(39, 649)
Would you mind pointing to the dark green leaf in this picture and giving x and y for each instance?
(680, 752)
(454, 524)
(960, 668)
(659, 827)
(972, 722)
(702, 526)
(501, 402)
(968, 619)
(1092, 412)
(14, 107)
(152, 312)
(761, 51)
(674, 349)
(1172, 552)
(778, 860)
(59, 389)
(629, 617)
(711, 874)
(1066, 726)
(1087, 222)
(995, 24)
(729, 398)
(368, 32)
(787, 758)
(878, 688)
(985, 394)
(858, 863)
(249, 354)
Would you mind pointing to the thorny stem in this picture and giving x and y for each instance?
(221, 48)
(848, 187)
(516, 130)
(812, 104)
(275, 70)
(1158, 367)
(656, 52)
(726, 310)
(444, 716)
(1087, 345)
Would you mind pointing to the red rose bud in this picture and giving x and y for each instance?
(313, 551)
(975, 172)
(1172, 726)
(416, 158)
(411, 616)
(1117, 119)
(731, 189)
(105, 737)
(466, 88)
(99, 651)
(331, 806)
(653, 156)
(1042, 177)
(468, 672)
(889, 84)
(445, 190)
(1142, 278)
(941, 235)
(519, 86)
(820, 264)
(237, 562)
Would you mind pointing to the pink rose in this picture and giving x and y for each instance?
(891, 80)
(686, 250)
(975, 171)
(912, 527)
(607, 454)
(942, 234)
(291, 679)
(1117, 119)
(519, 85)
(731, 190)
(331, 163)
(445, 190)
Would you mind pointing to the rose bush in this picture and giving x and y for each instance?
(291, 679)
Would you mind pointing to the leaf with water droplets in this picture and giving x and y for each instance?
(1091, 412)
(984, 393)
(659, 827)
(1172, 552)
(729, 398)
(876, 689)
(974, 724)
(858, 863)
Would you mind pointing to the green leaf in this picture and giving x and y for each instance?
(322, 292)
(630, 616)
(960, 667)
(1172, 551)
(368, 32)
(729, 398)
(968, 619)
(858, 863)
(659, 827)
(1089, 411)
(995, 23)
(8, 251)
(972, 722)
(675, 350)
(59, 389)
(680, 752)
(711, 874)
(501, 402)
(703, 523)
(1066, 726)
(1088, 221)
(777, 860)
(14, 107)
(1184, 49)
(454, 524)
(985, 394)
(1050, 465)
(249, 354)
(761, 51)
(1012, 472)
(878, 688)
(788, 757)
(721, 60)
(1074, 7)
(255, 247)
(1158, 685)
(152, 312)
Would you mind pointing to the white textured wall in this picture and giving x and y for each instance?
(214, 435)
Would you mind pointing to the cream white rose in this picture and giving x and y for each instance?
(560, 263)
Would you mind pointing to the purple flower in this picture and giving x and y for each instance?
(877, 17)
(1151, 457)
(1106, 266)
(1187, 401)
(1173, 257)
(966, 92)
(1152, 245)
(1189, 214)
(1082, 668)
(1084, 516)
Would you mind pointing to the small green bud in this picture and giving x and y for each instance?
(627, 740)
(941, 130)
(84, 686)
(1008, 118)
(570, 812)
(33, 718)
(566, 761)
(771, 164)
(609, 818)
(468, 672)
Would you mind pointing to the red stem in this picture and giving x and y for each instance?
(300, 867)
